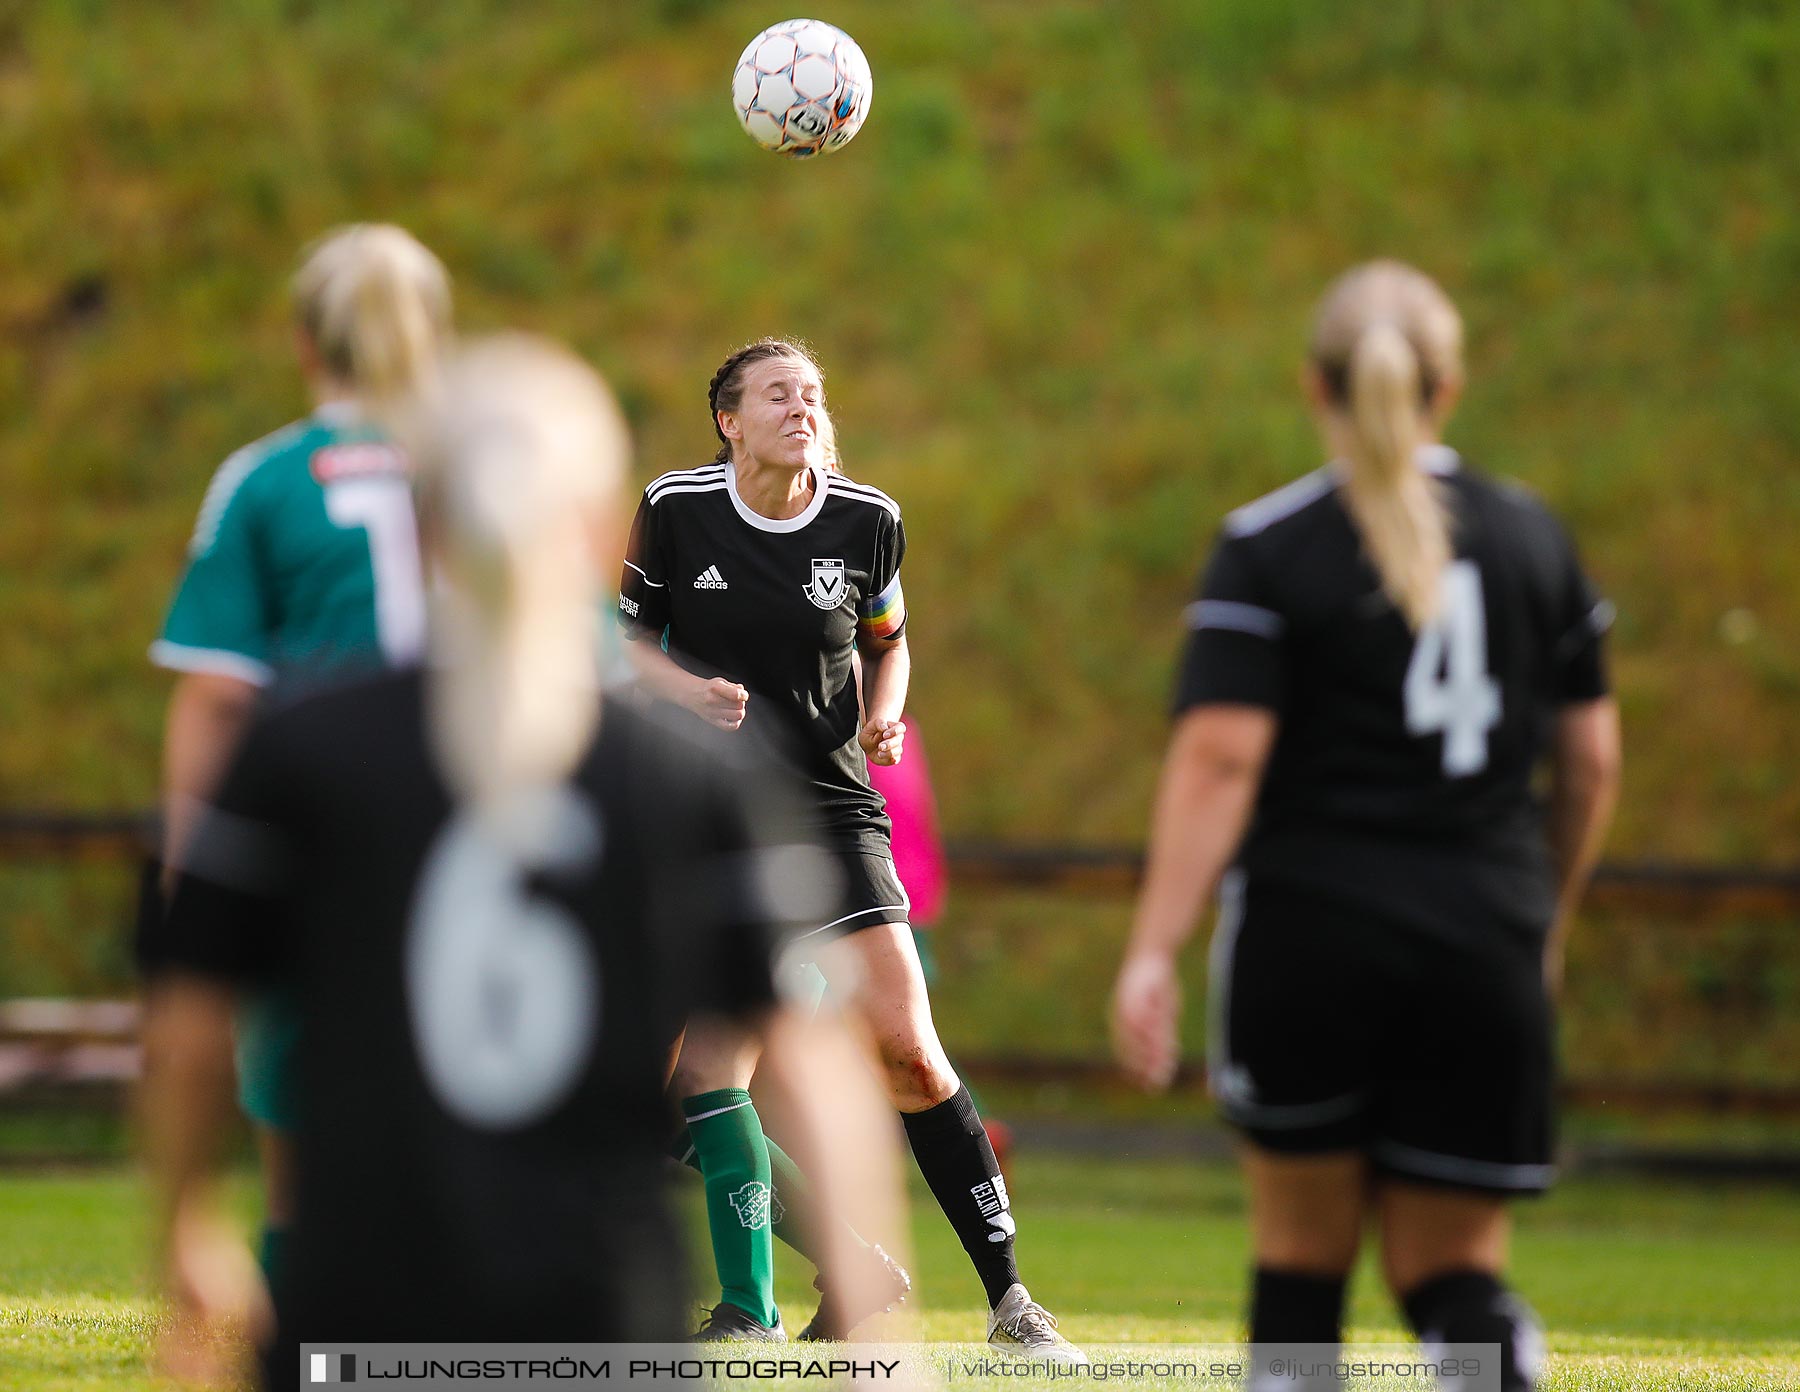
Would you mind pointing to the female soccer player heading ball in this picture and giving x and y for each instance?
(764, 571)
(1380, 653)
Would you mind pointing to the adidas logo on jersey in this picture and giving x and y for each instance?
(710, 579)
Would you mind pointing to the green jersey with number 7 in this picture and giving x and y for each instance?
(304, 561)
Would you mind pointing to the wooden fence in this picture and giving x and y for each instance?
(58, 1044)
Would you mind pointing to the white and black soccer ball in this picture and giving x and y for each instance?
(802, 88)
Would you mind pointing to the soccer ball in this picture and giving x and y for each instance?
(802, 88)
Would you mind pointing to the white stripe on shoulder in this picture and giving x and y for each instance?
(1285, 501)
(229, 477)
(1230, 613)
(711, 467)
(717, 486)
(863, 492)
(703, 474)
(1595, 623)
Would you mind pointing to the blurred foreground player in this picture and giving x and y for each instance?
(496, 904)
(1380, 655)
(304, 567)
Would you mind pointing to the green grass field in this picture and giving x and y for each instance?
(1642, 1286)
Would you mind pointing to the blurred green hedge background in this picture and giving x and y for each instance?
(1060, 283)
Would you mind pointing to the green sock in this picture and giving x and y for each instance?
(734, 1159)
(271, 1254)
(791, 1212)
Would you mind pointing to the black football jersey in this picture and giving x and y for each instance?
(485, 1008)
(1399, 754)
(776, 606)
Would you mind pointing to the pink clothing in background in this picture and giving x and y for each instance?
(918, 850)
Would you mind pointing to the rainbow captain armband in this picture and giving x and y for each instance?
(884, 615)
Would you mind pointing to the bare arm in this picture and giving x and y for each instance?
(208, 713)
(1584, 787)
(713, 699)
(886, 673)
(1203, 802)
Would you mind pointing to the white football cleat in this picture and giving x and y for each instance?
(1019, 1322)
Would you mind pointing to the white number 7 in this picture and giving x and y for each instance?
(382, 507)
(1448, 690)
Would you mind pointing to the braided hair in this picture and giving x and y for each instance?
(726, 390)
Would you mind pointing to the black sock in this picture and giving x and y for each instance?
(1475, 1307)
(958, 1164)
(1289, 1308)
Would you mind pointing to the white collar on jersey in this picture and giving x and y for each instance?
(1438, 459)
(339, 411)
(1432, 459)
(821, 482)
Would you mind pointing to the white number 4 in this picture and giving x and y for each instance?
(1448, 690)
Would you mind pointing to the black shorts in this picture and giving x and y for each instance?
(1331, 1027)
(872, 894)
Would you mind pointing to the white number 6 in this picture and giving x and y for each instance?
(502, 986)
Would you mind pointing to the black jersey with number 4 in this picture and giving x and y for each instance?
(777, 607)
(486, 1007)
(1402, 771)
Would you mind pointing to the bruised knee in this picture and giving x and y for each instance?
(918, 1076)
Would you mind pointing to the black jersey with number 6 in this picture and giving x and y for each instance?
(1399, 753)
(776, 606)
(486, 1006)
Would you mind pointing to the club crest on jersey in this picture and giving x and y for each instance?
(828, 586)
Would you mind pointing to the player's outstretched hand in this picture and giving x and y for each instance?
(1145, 1010)
(883, 741)
(720, 702)
(218, 1302)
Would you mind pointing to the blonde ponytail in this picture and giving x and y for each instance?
(1385, 340)
(376, 305)
(520, 452)
(1402, 520)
